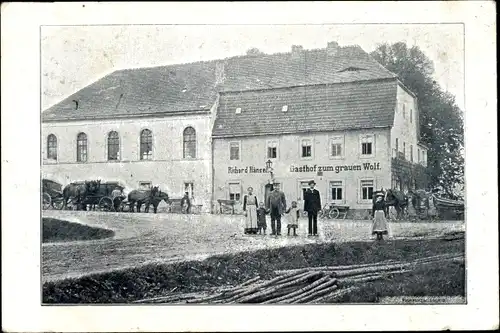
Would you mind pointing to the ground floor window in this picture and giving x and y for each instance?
(336, 191)
(189, 188)
(396, 182)
(235, 191)
(367, 189)
(144, 185)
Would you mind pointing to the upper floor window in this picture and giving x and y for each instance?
(234, 151)
(418, 155)
(146, 152)
(404, 110)
(397, 145)
(306, 148)
(404, 149)
(411, 153)
(113, 146)
(189, 139)
(336, 146)
(411, 115)
(52, 147)
(272, 149)
(367, 143)
(81, 147)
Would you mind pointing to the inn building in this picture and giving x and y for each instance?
(214, 128)
(334, 116)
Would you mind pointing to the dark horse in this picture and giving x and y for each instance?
(398, 200)
(147, 197)
(78, 192)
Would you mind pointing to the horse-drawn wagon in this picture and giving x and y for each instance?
(137, 198)
(52, 196)
(92, 194)
(450, 208)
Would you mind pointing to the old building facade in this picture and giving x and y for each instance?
(214, 128)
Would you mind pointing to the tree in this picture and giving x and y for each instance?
(441, 120)
(254, 51)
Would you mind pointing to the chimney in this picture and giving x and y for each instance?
(297, 51)
(220, 74)
(332, 48)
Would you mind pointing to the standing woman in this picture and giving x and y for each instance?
(379, 227)
(250, 208)
(412, 211)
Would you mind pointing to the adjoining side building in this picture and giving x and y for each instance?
(140, 127)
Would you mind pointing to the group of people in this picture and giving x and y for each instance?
(276, 207)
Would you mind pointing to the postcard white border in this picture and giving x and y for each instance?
(21, 152)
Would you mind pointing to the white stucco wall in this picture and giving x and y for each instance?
(253, 153)
(168, 168)
(405, 127)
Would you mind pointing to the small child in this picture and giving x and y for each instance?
(261, 218)
(293, 218)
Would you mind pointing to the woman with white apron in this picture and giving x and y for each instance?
(250, 208)
(380, 226)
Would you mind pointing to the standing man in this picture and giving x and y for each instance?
(117, 197)
(277, 205)
(186, 203)
(312, 205)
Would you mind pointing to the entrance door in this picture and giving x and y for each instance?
(303, 186)
(267, 189)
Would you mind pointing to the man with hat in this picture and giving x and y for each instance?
(312, 205)
(277, 205)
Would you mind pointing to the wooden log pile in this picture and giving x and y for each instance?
(305, 285)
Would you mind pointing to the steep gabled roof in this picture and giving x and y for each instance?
(355, 105)
(305, 68)
(194, 87)
(142, 91)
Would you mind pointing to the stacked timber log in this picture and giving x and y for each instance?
(305, 285)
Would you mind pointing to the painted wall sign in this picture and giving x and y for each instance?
(312, 168)
(335, 168)
(248, 169)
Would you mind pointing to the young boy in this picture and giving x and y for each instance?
(293, 218)
(261, 218)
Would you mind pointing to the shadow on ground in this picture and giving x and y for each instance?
(56, 230)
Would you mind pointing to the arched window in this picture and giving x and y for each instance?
(81, 147)
(189, 138)
(113, 146)
(146, 145)
(52, 147)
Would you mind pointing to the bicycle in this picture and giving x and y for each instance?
(329, 211)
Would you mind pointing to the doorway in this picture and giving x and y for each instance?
(268, 188)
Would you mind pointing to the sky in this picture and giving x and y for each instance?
(74, 57)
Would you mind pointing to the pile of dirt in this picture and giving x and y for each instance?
(219, 271)
(55, 230)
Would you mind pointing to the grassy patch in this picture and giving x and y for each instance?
(437, 279)
(155, 280)
(55, 230)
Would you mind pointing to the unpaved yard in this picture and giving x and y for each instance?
(143, 238)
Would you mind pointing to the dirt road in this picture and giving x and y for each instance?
(143, 238)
